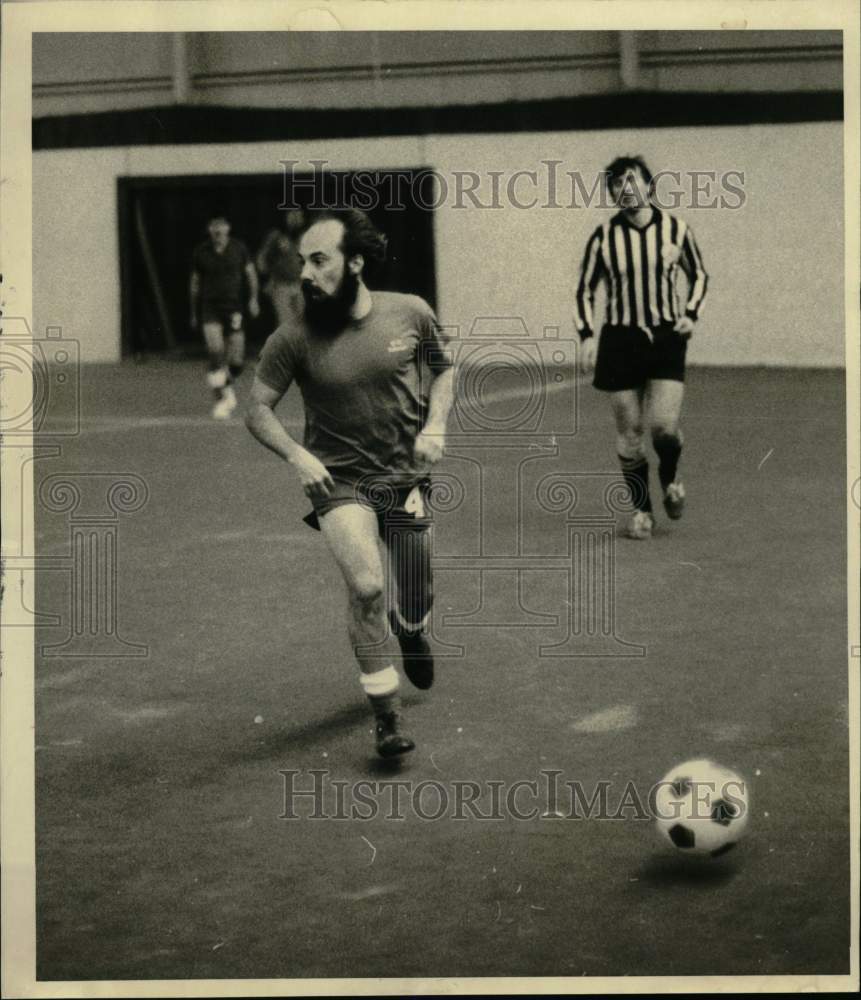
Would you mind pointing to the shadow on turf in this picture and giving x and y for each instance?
(290, 739)
(663, 870)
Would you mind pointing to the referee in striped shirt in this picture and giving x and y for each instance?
(641, 351)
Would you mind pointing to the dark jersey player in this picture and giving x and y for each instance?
(640, 361)
(220, 270)
(376, 384)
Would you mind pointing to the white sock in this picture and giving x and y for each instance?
(409, 626)
(217, 379)
(381, 682)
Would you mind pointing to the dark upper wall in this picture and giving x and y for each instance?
(75, 73)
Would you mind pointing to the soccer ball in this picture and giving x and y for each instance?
(701, 808)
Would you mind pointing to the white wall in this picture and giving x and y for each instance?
(775, 265)
(76, 282)
(776, 268)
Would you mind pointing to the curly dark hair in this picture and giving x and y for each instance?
(622, 163)
(361, 236)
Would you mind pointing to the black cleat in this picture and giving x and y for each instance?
(391, 742)
(416, 653)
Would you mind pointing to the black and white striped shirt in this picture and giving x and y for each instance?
(640, 266)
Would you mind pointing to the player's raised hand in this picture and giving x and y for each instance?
(429, 449)
(587, 356)
(254, 308)
(313, 475)
(684, 326)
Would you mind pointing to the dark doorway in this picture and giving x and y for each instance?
(162, 219)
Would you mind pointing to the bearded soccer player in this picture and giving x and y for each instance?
(377, 387)
(220, 268)
(640, 361)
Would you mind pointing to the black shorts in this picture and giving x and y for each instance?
(396, 502)
(628, 358)
(230, 318)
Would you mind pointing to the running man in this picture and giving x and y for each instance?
(279, 266)
(220, 267)
(377, 388)
(641, 352)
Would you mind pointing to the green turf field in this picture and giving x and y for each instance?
(160, 848)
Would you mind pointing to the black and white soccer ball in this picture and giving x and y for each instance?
(701, 808)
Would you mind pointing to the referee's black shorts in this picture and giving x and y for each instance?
(628, 358)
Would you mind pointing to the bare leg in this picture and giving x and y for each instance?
(665, 407)
(352, 535)
(627, 408)
(213, 334)
(235, 354)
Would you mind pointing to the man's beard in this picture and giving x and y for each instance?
(332, 312)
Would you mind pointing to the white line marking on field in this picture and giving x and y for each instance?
(608, 720)
(691, 564)
(515, 393)
(117, 424)
(72, 675)
(145, 713)
(374, 890)
(768, 455)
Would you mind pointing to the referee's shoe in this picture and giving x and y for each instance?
(674, 501)
(416, 653)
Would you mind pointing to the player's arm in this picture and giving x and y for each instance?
(251, 277)
(193, 296)
(260, 419)
(591, 272)
(431, 441)
(440, 400)
(692, 264)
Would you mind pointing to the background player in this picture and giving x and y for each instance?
(278, 263)
(220, 268)
(377, 389)
(641, 351)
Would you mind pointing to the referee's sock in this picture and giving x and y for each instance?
(635, 472)
(668, 448)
